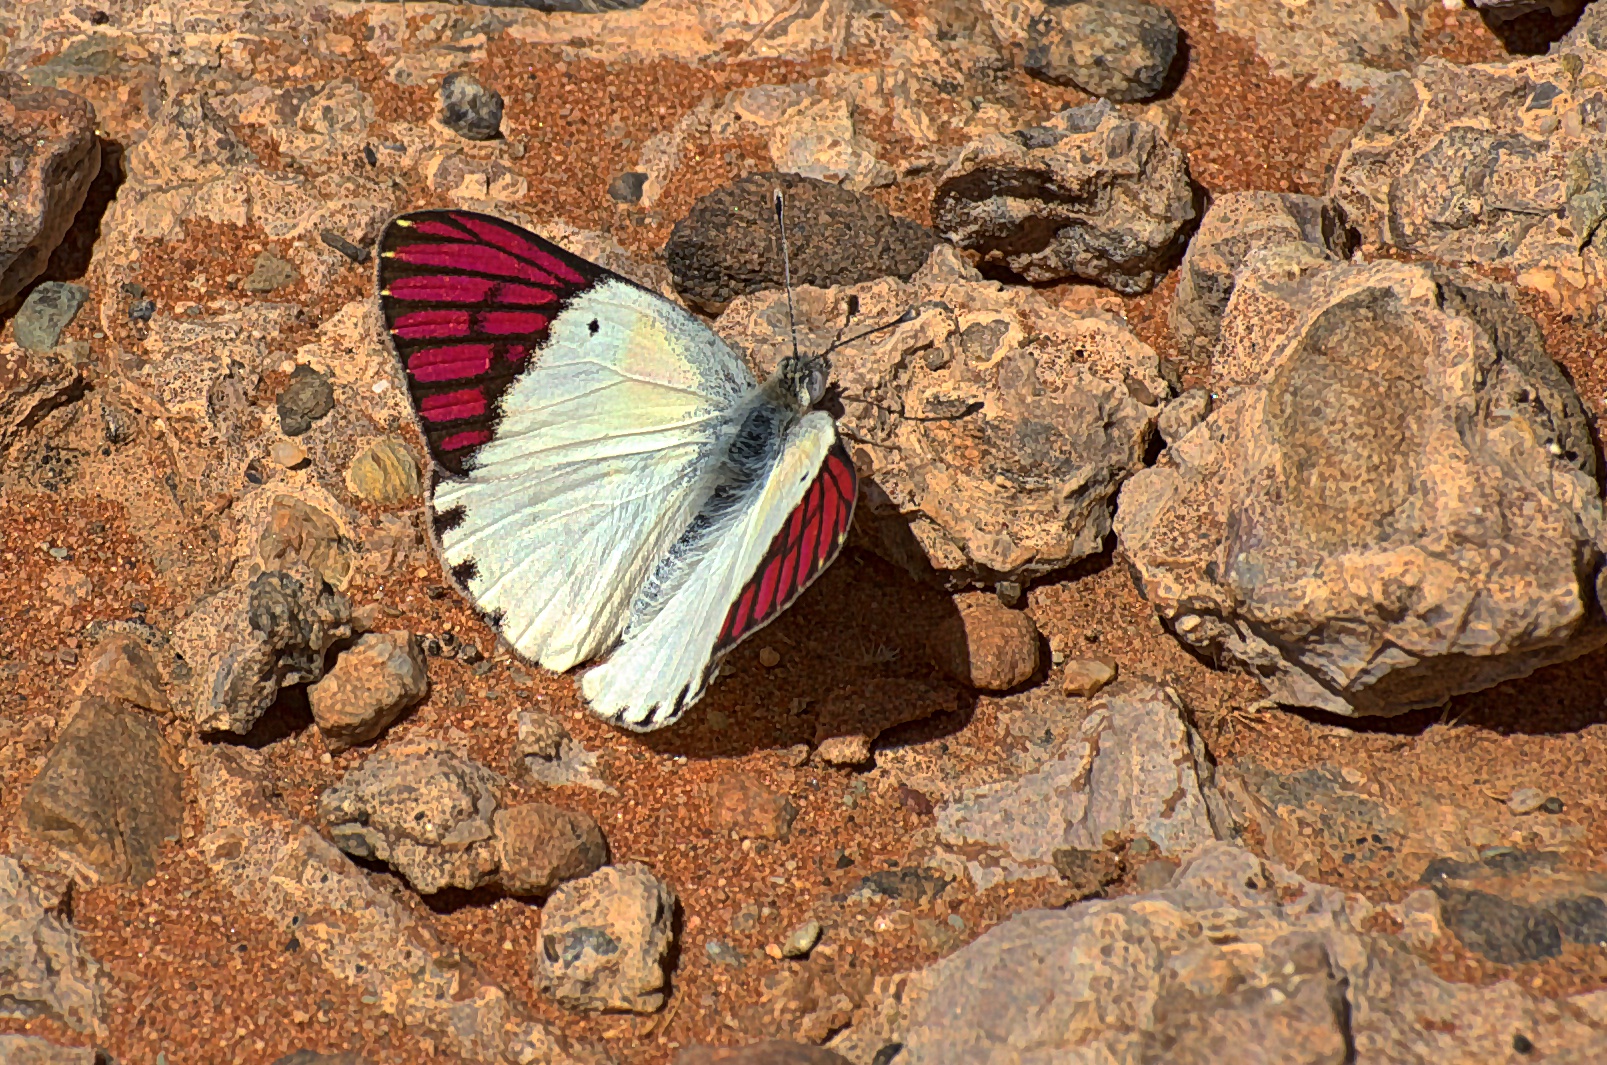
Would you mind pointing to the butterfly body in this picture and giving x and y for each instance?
(611, 476)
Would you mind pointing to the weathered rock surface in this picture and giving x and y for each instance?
(1331, 818)
(1134, 768)
(371, 682)
(244, 643)
(31, 1050)
(1236, 224)
(1500, 164)
(421, 808)
(44, 969)
(305, 399)
(1117, 49)
(49, 154)
(1397, 502)
(32, 385)
(1089, 194)
(1357, 43)
(991, 429)
(726, 246)
(769, 1052)
(604, 940)
(110, 792)
(122, 667)
(1294, 979)
(291, 875)
(986, 646)
(294, 530)
(541, 846)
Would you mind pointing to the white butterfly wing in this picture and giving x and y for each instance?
(661, 668)
(593, 471)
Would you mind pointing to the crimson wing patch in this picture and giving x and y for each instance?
(467, 299)
(810, 539)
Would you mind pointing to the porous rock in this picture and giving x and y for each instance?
(1397, 502)
(110, 792)
(242, 644)
(371, 682)
(421, 808)
(32, 385)
(1090, 194)
(726, 246)
(1499, 164)
(604, 940)
(307, 397)
(543, 845)
(1118, 49)
(1236, 224)
(123, 668)
(45, 972)
(49, 154)
(545, 752)
(1134, 767)
(986, 645)
(739, 803)
(990, 428)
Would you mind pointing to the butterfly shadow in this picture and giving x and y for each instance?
(849, 658)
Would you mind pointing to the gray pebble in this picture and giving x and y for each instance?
(45, 315)
(469, 109)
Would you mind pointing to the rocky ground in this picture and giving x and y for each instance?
(1215, 671)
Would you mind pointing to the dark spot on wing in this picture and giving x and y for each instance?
(444, 521)
(465, 571)
(496, 619)
(593, 327)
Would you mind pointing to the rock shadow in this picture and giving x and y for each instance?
(70, 260)
(1533, 33)
(852, 659)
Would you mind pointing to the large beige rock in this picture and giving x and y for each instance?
(1236, 959)
(1090, 194)
(1236, 224)
(1396, 502)
(1501, 164)
(991, 430)
(1357, 43)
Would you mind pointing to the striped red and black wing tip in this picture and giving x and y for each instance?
(810, 538)
(467, 299)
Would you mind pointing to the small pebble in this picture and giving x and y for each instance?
(769, 657)
(627, 187)
(141, 310)
(1526, 800)
(469, 109)
(60, 553)
(1086, 676)
(801, 940)
(796, 755)
(1009, 593)
(722, 953)
(344, 246)
(1553, 805)
(288, 453)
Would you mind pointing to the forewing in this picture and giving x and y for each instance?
(774, 547)
(570, 413)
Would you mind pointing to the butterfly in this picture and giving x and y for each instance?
(609, 476)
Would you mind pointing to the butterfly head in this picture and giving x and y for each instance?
(804, 378)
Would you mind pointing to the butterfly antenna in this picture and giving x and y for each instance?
(786, 272)
(908, 316)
